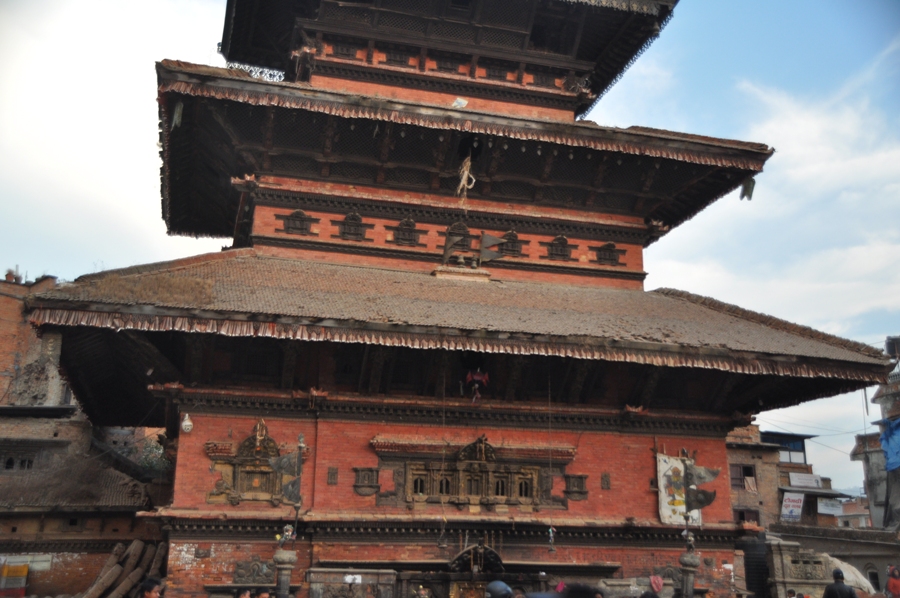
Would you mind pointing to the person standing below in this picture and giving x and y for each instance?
(262, 593)
(150, 588)
(838, 589)
(892, 588)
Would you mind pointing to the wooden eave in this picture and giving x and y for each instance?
(634, 171)
(610, 35)
(45, 312)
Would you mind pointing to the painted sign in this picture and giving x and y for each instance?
(792, 507)
(806, 480)
(670, 477)
(830, 506)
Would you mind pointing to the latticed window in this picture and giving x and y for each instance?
(446, 65)
(297, 223)
(559, 249)
(345, 51)
(352, 228)
(608, 254)
(473, 486)
(459, 229)
(406, 233)
(512, 247)
(397, 58)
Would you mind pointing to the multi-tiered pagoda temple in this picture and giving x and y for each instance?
(428, 347)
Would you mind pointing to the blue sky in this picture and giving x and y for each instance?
(819, 244)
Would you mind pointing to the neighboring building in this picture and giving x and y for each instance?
(63, 504)
(855, 513)
(820, 504)
(753, 467)
(868, 450)
(429, 347)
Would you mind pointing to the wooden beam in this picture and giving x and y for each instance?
(288, 364)
(582, 369)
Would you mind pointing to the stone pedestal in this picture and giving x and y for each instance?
(285, 560)
(690, 562)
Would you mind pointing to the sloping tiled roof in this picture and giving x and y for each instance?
(245, 293)
(76, 484)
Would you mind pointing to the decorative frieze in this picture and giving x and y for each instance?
(446, 216)
(255, 470)
(366, 481)
(254, 572)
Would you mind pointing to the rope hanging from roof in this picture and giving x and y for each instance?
(466, 180)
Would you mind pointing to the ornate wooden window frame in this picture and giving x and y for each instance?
(608, 255)
(473, 474)
(297, 223)
(352, 228)
(559, 249)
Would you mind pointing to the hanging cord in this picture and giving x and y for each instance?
(441, 539)
(552, 530)
(466, 181)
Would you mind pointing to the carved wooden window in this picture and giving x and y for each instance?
(395, 58)
(459, 229)
(405, 233)
(500, 488)
(345, 51)
(297, 223)
(576, 487)
(332, 476)
(544, 80)
(525, 489)
(559, 249)
(352, 228)
(256, 470)
(366, 481)
(512, 247)
(473, 485)
(608, 254)
(448, 66)
(496, 72)
(475, 476)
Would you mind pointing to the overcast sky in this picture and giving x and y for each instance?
(819, 244)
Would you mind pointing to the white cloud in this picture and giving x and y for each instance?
(820, 242)
(79, 164)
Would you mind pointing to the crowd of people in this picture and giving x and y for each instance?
(151, 588)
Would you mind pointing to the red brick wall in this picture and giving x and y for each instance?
(266, 223)
(629, 459)
(188, 571)
(69, 573)
(193, 478)
(443, 100)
